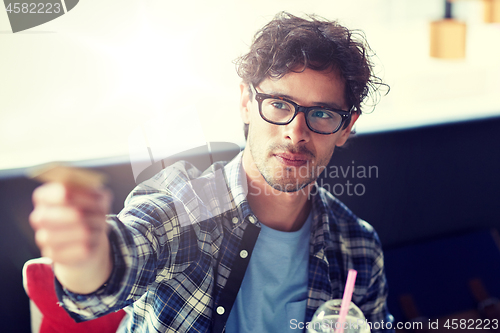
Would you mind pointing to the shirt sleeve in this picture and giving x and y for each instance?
(376, 311)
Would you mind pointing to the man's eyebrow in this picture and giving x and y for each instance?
(332, 105)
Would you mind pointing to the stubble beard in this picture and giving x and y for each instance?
(282, 178)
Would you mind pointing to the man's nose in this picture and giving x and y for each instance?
(297, 131)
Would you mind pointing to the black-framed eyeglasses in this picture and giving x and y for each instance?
(278, 110)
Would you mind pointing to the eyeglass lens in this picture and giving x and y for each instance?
(281, 112)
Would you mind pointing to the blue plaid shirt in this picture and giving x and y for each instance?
(179, 260)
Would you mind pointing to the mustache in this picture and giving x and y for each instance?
(289, 148)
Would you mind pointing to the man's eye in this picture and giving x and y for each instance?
(321, 114)
(280, 105)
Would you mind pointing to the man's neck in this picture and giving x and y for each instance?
(284, 211)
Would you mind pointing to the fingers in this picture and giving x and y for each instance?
(54, 217)
(70, 245)
(69, 222)
(95, 200)
(69, 256)
(59, 238)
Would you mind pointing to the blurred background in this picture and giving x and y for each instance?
(77, 88)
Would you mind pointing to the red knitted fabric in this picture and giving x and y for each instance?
(40, 288)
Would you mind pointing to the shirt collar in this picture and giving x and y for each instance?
(237, 182)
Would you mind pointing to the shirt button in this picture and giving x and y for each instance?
(235, 220)
(251, 219)
(243, 254)
(221, 310)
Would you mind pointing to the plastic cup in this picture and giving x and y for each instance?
(325, 319)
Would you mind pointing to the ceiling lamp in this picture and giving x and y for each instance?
(448, 36)
(491, 11)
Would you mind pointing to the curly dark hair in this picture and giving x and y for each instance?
(292, 44)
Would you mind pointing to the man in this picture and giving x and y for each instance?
(263, 256)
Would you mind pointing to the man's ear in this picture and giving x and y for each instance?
(245, 103)
(344, 133)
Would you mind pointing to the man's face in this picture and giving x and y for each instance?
(289, 157)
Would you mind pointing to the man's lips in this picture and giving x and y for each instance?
(289, 159)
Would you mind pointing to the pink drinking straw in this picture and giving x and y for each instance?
(346, 299)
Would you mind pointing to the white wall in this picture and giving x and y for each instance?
(76, 88)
